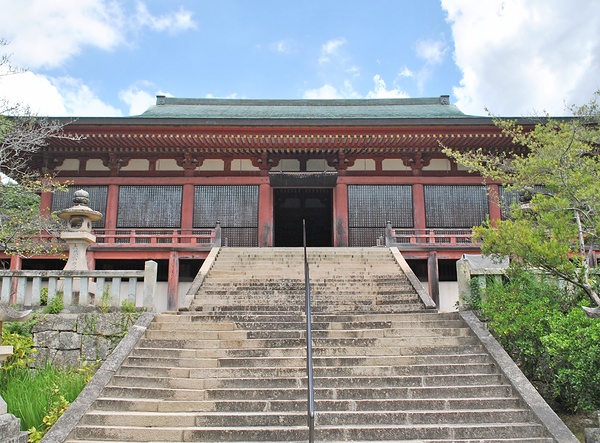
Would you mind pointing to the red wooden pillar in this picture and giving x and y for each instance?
(419, 217)
(494, 202)
(173, 283)
(340, 215)
(45, 203)
(112, 205)
(187, 212)
(16, 264)
(265, 215)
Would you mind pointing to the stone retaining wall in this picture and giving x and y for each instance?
(71, 339)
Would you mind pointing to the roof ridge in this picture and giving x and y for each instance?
(162, 100)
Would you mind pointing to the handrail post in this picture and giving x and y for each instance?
(309, 352)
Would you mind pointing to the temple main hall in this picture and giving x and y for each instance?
(351, 169)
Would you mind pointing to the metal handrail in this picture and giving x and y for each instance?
(309, 351)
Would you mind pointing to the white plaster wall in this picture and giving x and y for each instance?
(394, 164)
(363, 164)
(448, 295)
(70, 164)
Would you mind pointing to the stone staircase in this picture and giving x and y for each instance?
(232, 366)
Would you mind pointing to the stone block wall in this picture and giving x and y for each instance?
(70, 339)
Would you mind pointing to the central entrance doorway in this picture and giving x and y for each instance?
(292, 205)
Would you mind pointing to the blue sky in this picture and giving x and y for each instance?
(111, 58)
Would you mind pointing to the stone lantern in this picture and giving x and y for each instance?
(78, 234)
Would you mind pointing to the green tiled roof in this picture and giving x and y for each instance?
(216, 109)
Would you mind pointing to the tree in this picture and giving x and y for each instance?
(25, 230)
(557, 228)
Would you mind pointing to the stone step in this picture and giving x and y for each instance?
(410, 346)
(232, 366)
(323, 418)
(295, 361)
(334, 321)
(366, 329)
(487, 440)
(271, 373)
(425, 318)
(449, 432)
(333, 351)
(258, 394)
(434, 391)
(300, 382)
(446, 404)
(404, 308)
(287, 339)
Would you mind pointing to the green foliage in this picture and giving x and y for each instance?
(128, 307)
(559, 227)
(105, 301)
(24, 230)
(473, 302)
(23, 351)
(43, 296)
(21, 327)
(56, 304)
(32, 395)
(557, 347)
(58, 405)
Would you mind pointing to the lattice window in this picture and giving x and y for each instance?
(149, 207)
(236, 207)
(98, 196)
(455, 206)
(370, 207)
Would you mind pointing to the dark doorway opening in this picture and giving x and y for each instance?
(292, 205)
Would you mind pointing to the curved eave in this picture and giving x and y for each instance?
(424, 137)
(293, 142)
(278, 122)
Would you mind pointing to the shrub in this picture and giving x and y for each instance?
(105, 301)
(55, 305)
(556, 346)
(128, 307)
(23, 351)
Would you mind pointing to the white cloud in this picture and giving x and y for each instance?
(380, 90)
(46, 33)
(281, 46)
(519, 57)
(432, 51)
(138, 99)
(329, 91)
(55, 97)
(79, 100)
(331, 49)
(325, 91)
(172, 22)
(406, 72)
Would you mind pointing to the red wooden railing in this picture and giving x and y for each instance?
(151, 236)
(430, 236)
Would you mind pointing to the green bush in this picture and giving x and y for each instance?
(23, 350)
(556, 346)
(55, 305)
